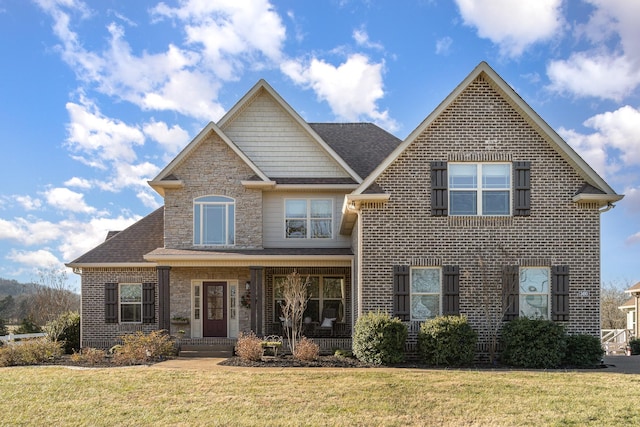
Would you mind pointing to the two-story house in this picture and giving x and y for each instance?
(483, 210)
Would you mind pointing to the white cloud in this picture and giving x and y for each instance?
(129, 175)
(443, 45)
(361, 38)
(67, 200)
(29, 203)
(172, 139)
(351, 89)
(149, 199)
(40, 258)
(78, 183)
(101, 137)
(614, 144)
(610, 67)
(604, 76)
(29, 231)
(513, 25)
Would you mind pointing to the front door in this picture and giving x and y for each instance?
(214, 323)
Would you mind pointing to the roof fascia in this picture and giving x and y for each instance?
(507, 91)
(263, 85)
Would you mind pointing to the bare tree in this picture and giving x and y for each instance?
(495, 302)
(295, 296)
(52, 296)
(612, 296)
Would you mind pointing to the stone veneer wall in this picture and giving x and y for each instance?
(95, 332)
(180, 290)
(212, 169)
(481, 126)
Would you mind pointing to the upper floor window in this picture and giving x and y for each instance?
(308, 218)
(214, 220)
(479, 188)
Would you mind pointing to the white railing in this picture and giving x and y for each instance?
(614, 340)
(19, 337)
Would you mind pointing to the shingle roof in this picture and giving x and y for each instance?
(129, 245)
(362, 145)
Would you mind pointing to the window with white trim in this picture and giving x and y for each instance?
(534, 292)
(130, 298)
(426, 292)
(326, 295)
(214, 220)
(480, 189)
(308, 218)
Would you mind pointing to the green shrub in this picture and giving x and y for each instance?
(139, 348)
(343, 353)
(379, 339)
(30, 352)
(635, 345)
(66, 328)
(533, 343)
(583, 351)
(27, 326)
(249, 347)
(447, 340)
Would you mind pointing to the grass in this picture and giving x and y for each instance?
(289, 396)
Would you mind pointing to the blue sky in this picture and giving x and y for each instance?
(97, 96)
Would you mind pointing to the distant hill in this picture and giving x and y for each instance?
(14, 288)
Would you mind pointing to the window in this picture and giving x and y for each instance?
(326, 294)
(534, 292)
(426, 288)
(479, 188)
(130, 303)
(214, 220)
(308, 218)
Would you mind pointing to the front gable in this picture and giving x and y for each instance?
(279, 141)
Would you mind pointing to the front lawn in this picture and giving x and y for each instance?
(293, 396)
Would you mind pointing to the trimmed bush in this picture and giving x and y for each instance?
(30, 352)
(66, 328)
(635, 345)
(447, 340)
(583, 351)
(139, 348)
(533, 343)
(249, 347)
(306, 350)
(379, 339)
(90, 356)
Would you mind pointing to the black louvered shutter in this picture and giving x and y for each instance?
(451, 290)
(522, 188)
(401, 292)
(148, 303)
(439, 195)
(111, 303)
(560, 293)
(510, 292)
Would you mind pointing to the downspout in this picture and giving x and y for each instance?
(607, 208)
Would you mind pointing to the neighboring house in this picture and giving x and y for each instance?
(483, 210)
(631, 307)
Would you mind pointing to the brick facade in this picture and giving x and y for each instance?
(202, 176)
(480, 126)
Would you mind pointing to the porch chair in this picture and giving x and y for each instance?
(329, 316)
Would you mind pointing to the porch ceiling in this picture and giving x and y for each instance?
(281, 257)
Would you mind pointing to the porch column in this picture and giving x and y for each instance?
(164, 306)
(256, 300)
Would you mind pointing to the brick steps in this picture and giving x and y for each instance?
(206, 350)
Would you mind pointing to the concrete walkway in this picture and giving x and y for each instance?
(614, 364)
